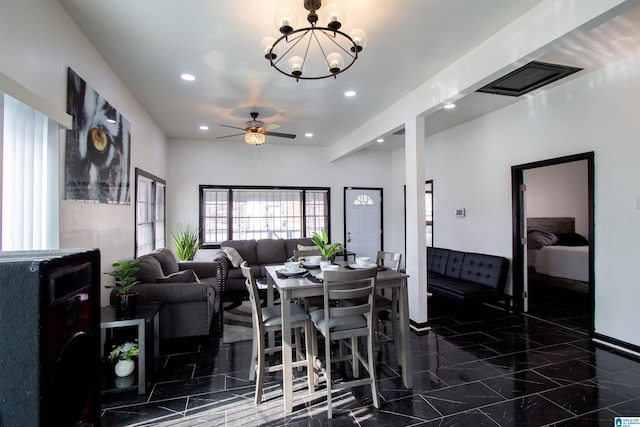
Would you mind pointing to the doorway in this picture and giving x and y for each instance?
(542, 227)
(363, 221)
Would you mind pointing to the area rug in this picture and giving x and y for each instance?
(237, 324)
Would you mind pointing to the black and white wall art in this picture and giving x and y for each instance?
(98, 147)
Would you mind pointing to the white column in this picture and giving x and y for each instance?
(416, 256)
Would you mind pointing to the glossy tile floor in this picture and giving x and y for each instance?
(494, 370)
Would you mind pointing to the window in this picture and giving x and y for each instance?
(150, 212)
(29, 177)
(228, 213)
(428, 211)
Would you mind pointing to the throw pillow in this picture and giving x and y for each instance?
(185, 276)
(233, 255)
(537, 239)
(307, 248)
(149, 269)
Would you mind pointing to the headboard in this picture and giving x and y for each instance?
(552, 225)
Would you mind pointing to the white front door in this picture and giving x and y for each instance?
(363, 221)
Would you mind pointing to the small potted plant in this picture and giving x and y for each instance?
(321, 240)
(123, 355)
(125, 277)
(187, 242)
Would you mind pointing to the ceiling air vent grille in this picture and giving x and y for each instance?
(399, 132)
(527, 78)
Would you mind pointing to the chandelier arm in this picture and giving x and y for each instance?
(293, 43)
(328, 35)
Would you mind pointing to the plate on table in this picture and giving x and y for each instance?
(292, 273)
(357, 266)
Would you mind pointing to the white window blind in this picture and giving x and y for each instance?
(30, 178)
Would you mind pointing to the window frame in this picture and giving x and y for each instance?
(230, 188)
(152, 208)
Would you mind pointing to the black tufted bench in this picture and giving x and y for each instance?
(466, 278)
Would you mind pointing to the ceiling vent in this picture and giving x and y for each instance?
(527, 78)
(399, 132)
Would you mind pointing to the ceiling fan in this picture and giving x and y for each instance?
(255, 131)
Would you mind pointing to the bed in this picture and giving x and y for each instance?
(556, 255)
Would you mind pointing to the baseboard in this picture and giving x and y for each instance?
(419, 327)
(624, 346)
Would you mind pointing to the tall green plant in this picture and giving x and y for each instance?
(186, 242)
(321, 240)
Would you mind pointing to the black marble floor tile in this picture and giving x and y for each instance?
(529, 411)
(495, 369)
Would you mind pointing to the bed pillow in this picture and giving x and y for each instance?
(571, 239)
(537, 239)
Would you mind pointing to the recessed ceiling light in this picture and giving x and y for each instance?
(450, 106)
(350, 93)
(308, 134)
(204, 127)
(111, 121)
(380, 140)
(187, 77)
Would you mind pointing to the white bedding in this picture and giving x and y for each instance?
(569, 262)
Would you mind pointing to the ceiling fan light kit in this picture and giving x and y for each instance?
(313, 52)
(255, 131)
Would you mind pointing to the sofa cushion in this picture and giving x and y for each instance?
(246, 249)
(454, 264)
(185, 276)
(168, 260)
(234, 256)
(483, 269)
(149, 269)
(270, 251)
(437, 260)
(291, 245)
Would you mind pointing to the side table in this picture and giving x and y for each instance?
(144, 315)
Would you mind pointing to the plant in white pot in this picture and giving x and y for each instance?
(321, 240)
(125, 277)
(123, 355)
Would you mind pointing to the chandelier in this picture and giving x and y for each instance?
(313, 52)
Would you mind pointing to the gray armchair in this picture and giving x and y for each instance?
(188, 291)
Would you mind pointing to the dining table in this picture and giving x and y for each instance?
(303, 285)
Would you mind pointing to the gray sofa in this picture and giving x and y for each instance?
(257, 253)
(189, 301)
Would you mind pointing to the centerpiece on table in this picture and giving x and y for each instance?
(124, 354)
(125, 277)
(321, 240)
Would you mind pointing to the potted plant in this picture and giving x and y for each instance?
(123, 354)
(187, 242)
(125, 277)
(321, 240)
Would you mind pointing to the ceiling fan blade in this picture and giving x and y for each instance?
(228, 136)
(233, 127)
(281, 135)
(273, 126)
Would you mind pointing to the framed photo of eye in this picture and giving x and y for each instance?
(98, 147)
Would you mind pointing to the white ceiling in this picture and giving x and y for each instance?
(149, 43)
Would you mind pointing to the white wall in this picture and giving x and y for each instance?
(559, 191)
(38, 42)
(470, 166)
(193, 163)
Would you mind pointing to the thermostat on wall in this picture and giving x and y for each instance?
(460, 212)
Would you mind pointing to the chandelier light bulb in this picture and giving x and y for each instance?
(359, 38)
(285, 20)
(265, 47)
(254, 138)
(295, 65)
(336, 62)
(335, 15)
